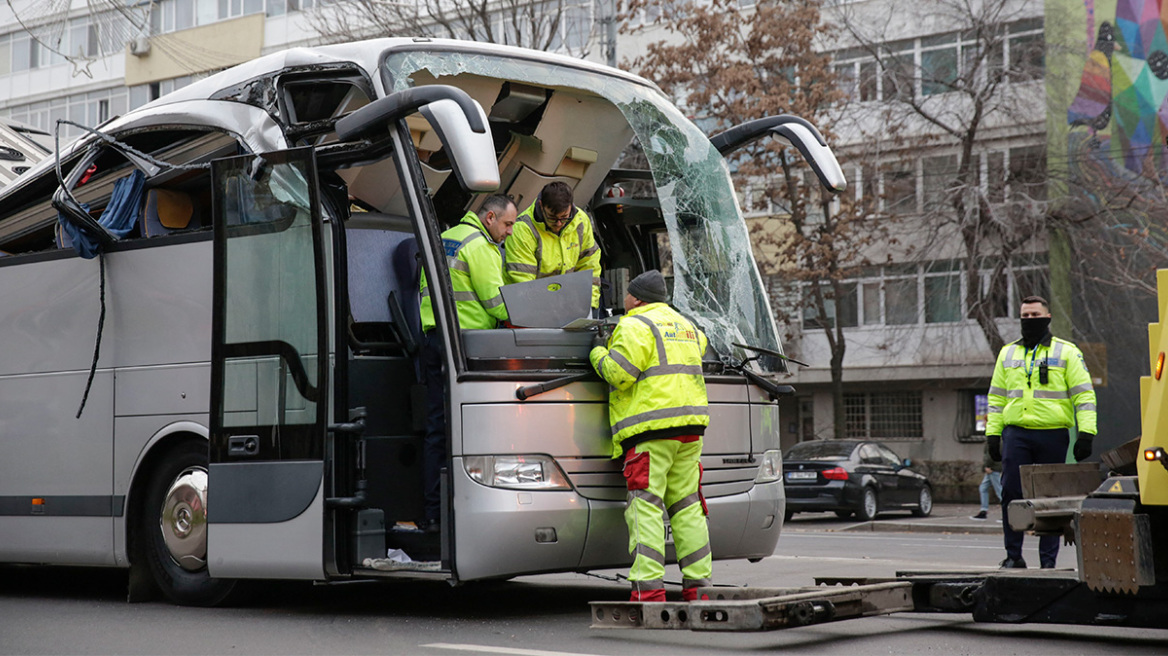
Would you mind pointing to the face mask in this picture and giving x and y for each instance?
(1034, 329)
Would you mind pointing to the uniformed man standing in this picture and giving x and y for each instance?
(657, 408)
(552, 237)
(1040, 389)
(476, 273)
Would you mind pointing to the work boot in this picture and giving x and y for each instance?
(649, 595)
(1011, 563)
(980, 515)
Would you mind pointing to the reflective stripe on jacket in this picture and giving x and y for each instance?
(654, 364)
(476, 273)
(1018, 398)
(535, 252)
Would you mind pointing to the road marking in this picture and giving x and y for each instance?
(486, 649)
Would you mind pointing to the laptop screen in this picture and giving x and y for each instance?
(551, 302)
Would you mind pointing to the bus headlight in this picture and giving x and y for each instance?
(770, 467)
(517, 472)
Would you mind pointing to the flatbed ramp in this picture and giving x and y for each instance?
(757, 609)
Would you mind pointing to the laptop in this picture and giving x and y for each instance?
(552, 302)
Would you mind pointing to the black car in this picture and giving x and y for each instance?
(852, 476)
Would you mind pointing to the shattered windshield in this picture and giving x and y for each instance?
(716, 282)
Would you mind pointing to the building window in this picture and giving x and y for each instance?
(1026, 50)
(938, 174)
(1027, 177)
(900, 301)
(934, 292)
(883, 416)
(941, 62)
(995, 176)
(843, 310)
(943, 292)
(897, 81)
(806, 419)
(900, 189)
(938, 64)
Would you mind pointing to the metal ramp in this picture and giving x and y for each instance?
(757, 609)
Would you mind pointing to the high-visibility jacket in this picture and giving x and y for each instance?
(476, 273)
(1018, 397)
(535, 252)
(653, 362)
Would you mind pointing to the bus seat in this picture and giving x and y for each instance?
(407, 267)
(167, 211)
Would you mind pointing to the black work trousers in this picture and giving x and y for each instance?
(434, 442)
(1024, 446)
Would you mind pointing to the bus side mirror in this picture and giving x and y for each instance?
(459, 121)
(799, 133)
(471, 153)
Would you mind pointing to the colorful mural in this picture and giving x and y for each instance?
(1118, 119)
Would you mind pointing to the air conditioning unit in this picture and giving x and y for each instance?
(140, 46)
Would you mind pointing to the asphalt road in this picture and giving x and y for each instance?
(74, 611)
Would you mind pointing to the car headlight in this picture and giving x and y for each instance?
(517, 472)
(770, 467)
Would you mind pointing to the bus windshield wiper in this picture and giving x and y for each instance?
(767, 351)
(773, 389)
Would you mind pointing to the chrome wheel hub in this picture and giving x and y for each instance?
(184, 519)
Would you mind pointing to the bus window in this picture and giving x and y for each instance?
(308, 102)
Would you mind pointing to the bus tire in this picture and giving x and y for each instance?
(179, 483)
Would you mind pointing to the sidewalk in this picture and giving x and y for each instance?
(946, 518)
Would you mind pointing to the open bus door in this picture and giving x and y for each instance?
(270, 367)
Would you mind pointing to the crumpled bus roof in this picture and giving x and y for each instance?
(368, 56)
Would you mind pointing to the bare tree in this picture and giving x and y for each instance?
(727, 65)
(975, 78)
(538, 24)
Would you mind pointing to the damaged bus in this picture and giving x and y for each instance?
(209, 308)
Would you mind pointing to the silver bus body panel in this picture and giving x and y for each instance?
(571, 425)
(134, 437)
(132, 399)
(283, 550)
(49, 454)
(495, 534)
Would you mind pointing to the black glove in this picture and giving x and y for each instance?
(1083, 446)
(994, 444)
(599, 339)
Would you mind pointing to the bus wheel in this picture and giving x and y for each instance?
(174, 528)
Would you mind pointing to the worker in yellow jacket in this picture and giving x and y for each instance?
(657, 410)
(553, 237)
(476, 273)
(1040, 390)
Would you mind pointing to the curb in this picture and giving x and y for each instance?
(991, 528)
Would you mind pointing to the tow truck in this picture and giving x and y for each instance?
(1119, 527)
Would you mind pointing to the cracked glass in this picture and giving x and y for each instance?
(716, 281)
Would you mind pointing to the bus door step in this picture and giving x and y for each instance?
(757, 609)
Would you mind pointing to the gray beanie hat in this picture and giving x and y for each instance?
(649, 287)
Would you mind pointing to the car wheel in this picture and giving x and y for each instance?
(867, 508)
(843, 514)
(925, 503)
(788, 515)
(174, 529)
